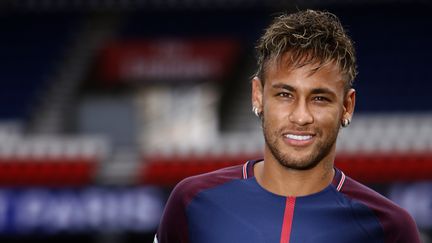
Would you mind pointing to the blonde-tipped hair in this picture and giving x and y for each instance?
(310, 37)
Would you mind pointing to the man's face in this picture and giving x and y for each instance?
(302, 112)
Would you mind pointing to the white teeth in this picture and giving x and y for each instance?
(298, 137)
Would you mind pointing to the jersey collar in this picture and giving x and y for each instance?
(248, 172)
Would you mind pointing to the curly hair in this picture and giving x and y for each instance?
(311, 37)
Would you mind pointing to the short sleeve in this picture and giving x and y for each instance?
(173, 225)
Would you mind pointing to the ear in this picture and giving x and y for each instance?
(257, 93)
(349, 104)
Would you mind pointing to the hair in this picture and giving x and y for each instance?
(310, 37)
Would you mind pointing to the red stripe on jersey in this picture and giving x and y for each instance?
(341, 182)
(287, 220)
(245, 175)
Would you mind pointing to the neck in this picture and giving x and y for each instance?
(284, 181)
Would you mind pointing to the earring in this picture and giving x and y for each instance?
(346, 122)
(255, 111)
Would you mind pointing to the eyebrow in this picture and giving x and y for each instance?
(283, 86)
(322, 91)
(292, 89)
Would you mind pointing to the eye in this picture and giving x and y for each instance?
(284, 95)
(321, 99)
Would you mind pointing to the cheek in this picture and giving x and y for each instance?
(275, 112)
(328, 117)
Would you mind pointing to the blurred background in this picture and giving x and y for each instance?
(106, 104)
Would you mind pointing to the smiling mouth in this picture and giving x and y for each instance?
(298, 137)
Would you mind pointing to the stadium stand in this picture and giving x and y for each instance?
(180, 127)
(31, 45)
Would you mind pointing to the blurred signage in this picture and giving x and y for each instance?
(76, 211)
(168, 60)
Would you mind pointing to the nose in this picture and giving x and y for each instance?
(301, 114)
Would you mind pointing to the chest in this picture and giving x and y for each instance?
(259, 217)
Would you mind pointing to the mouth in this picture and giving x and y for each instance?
(298, 139)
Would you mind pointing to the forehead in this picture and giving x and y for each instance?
(312, 73)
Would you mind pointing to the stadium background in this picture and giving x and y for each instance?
(106, 104)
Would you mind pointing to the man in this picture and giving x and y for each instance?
(303, 94)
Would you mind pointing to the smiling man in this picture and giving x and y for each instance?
(303, 95)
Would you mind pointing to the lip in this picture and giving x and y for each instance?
(301, 142)
(300, 133)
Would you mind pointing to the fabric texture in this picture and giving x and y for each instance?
(228, 205)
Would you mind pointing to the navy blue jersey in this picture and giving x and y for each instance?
(229, 206)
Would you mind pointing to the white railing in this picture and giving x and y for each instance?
(37, 147)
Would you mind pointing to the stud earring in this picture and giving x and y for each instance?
(255, 111)
(346, 122)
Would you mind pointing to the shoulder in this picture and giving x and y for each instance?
(375, 201)
(397, 224)
(173, 226)
(186, 189)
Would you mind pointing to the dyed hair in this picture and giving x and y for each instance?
(310, 37)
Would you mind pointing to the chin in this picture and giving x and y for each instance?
(299, 159)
